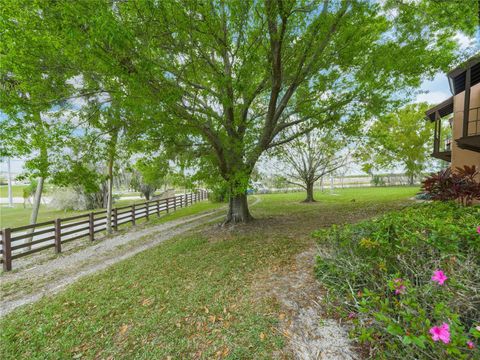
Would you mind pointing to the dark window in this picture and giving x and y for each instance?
(459, 83)
(475, 74)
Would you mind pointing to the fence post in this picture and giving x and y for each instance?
(158, 208)
(175, 203)
(166, 204)
(147, 206)
(133, 214)
(91, 227)
(186, 201)
(115, 219)
(58, 236)
(7, 249)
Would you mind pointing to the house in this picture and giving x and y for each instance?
(457, 119)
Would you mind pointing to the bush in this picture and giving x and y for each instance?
(380, 273)
(460, 185)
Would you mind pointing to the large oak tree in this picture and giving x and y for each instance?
(223, 80)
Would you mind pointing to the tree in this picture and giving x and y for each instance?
(306, 159)
(30, 125)
(402, 138)
(225, 79)
(149, 175)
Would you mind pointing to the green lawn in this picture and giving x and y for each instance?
(17, 190)
(190, 297)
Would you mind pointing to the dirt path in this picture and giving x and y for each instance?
(309, 333)
(33, 281)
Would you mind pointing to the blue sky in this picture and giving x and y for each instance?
(438, 90)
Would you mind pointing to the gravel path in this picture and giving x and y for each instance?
(33, 281)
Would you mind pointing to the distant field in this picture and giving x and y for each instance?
(16, 189)
(18, 215)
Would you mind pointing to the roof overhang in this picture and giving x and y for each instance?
(474, 60)
(459, 70)
(445, 108)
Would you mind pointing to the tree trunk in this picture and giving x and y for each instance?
(35, 209)
(309, 193)
(411, 179)
(111, 157)
(110, 195)
(238, 209)
(10, 195)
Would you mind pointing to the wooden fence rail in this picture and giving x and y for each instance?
(29, 239)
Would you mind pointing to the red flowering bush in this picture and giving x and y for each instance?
(460, 185)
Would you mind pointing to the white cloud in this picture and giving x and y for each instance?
(464, 41)
(433, 97)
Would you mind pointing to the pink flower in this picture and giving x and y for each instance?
(352, 315)
(441, 333)
(470, 344)
(399, 287)
(478, 229)
(439, 276)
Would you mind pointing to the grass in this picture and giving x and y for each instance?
(17, 190)
(190, 297)
(18, 215)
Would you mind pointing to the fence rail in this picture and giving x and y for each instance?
(29, 239)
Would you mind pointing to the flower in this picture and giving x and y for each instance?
(470, 344)
(439, 276)
(441, 333)
(399, 286)
(477, 328)
(352, 315)
(478, 229)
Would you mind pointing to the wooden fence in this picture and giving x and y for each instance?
(25, 240)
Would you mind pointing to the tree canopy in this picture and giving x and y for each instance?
(222, 80)
(402, 138)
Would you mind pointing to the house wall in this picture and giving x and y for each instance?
(462, 157)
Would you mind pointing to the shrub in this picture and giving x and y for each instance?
(382, 274)
(460, 185)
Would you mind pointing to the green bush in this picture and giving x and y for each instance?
(379, 276)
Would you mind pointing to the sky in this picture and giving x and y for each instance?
(438, 89)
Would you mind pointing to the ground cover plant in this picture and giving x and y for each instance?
(191, 297)
(408, 281)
